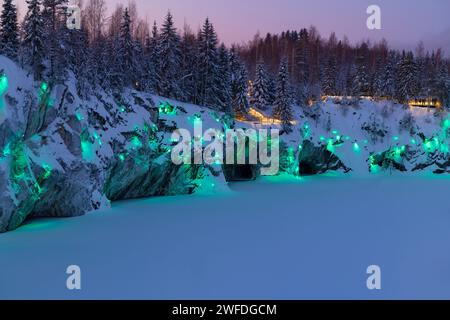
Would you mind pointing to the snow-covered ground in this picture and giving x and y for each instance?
(277, 238)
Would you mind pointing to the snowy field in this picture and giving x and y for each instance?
(277, 238)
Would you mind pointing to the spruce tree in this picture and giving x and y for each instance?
(261, 95)
(329, 77)
(9, 38)
(33, 39)
(169, 59)
(240, 99)
(55, 34)
(407, 86)
(283, 101)
(224, 73)
(208, 71)
(127, 50)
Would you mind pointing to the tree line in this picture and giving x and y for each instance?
(123, 50)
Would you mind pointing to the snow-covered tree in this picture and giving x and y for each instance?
(127, 51)
(283, 100)
(384, 83)
(33, 39)
(361, 79)
(329, 77)
(224, 72)
(261, 94)
(239, 81)
(169, 59)
(406, 80)
(208, 71)
(9, 38)
(54, 15)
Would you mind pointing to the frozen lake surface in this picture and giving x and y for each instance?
(277, 238)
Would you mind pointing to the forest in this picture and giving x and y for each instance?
(121, 50)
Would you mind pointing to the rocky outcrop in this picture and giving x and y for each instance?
(62, 156)
(318, 159)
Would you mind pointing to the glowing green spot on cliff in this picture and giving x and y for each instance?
(3, 84)
(47, 171)
(6, 150)
(446, 124)
(168, 109)
(330, 146)
(136, 142)
(87, 150)
(79, 116)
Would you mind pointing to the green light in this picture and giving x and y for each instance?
(446, 124)
(330, 146)
(396, 138)
(3, 84)
(122, 157)
(356, 147)
(79, 116)
(136, 142)
(413, 141)
(335, 132)
(48, 171)
(322, 138)
(6, 151)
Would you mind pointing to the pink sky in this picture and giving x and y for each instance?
(404, 22)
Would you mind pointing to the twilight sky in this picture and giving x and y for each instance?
(404, 22)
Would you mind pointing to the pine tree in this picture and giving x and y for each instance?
(283, 101)
(169, 57)
(9, 39)
(208, 71)
(224, 73)
(152, 60)
(55, 34)
(302, 73)
(33, 39)
(407, 86)
(361, 80)
(384, 85)
(127, 50)
(261, 95)
(240, 99)
(188, 82)
(329, 77)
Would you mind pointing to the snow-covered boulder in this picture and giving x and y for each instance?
(318, 159)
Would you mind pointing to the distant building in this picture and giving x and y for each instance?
(425, 102)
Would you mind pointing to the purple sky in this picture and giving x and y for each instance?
(404, 22)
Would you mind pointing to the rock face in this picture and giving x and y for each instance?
(317, 160)
(62, 156)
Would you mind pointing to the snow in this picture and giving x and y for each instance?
(276, 238)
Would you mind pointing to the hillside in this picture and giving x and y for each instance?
(65, 156)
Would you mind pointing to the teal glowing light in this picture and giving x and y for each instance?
(356, 147)
(136, 142)
(322, 138)
(6, 151)
(396, 138)
(122, 157)
(446, 124)
(413, 141)
(47, 171)
(330, 146)
(168, 109)
(3, 84)
(335, 132)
